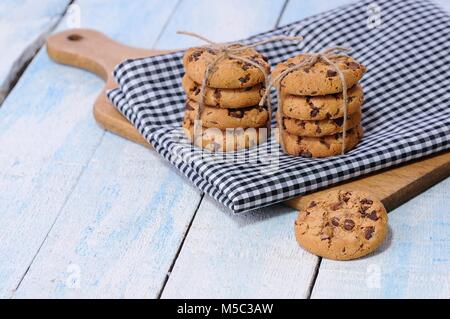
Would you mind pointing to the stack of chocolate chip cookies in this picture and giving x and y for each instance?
(231, 117)
(312, 106)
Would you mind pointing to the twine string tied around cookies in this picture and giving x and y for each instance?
(310, 60)
(234, 51)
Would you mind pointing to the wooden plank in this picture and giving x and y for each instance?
(48, 136)
(250, 255)
(220, 21)
(413, 263)
(393, 186)
(109, 264)
(299, 9)
(241, 256)
(119, 231)
(23, 28)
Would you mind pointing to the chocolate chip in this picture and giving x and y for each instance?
(335, 221)
(362, 212)
(368, 232)
(314, 111)
(210, 51)
(236, 113)
(264, 58)
(301, 123)
(339, 121)
(350, 99)
(197, 90)
(373, 215)
(248, 88)
(336, 206)
(318, 129)
(331, 73)
(313, 92)
(306, 70)
(349, 224)
(217, 94)
(245, 66)
(345, 197)
(366, 201)
(195, 56)
(244, 79)
(352, 65)
(290, 65)
(312, 204)
(189, 107)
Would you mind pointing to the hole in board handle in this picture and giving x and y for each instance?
(74, 37)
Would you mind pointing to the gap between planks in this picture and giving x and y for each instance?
(96, 147)
(69, 194)
(180, 248)
(28, 55)
(319, 260)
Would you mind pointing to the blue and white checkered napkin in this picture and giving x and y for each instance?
(406, 114)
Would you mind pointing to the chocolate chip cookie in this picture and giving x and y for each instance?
(324, 146)
(319, 79)
(321, 127)
(322, 107)
(342, 225)
(253, 116)
(217, 140)
(228, 73)
(225, 98)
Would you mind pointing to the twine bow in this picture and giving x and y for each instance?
(233, 51)
(309, 61)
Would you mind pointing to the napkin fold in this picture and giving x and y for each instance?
(406, 113)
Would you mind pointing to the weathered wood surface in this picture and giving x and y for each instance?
(88, 214)
(415, 260)
(413, 263)
(113, 272)
(251, 255)
(23, 28)
(49, 143)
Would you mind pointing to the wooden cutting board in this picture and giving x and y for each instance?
(93, 51)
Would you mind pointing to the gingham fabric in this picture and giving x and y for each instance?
(406, 114)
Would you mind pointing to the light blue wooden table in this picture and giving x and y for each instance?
(84, 213)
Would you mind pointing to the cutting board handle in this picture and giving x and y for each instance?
(91, 50)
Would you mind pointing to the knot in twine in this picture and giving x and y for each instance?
(231, 50)
(309, 61)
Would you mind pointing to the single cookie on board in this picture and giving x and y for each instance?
(321, 127)
(253, 116)
(324, 146)
(319, 79)
(225, 98)
(228, 73)
(342, 225)
(322, 107)
(217, 140)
